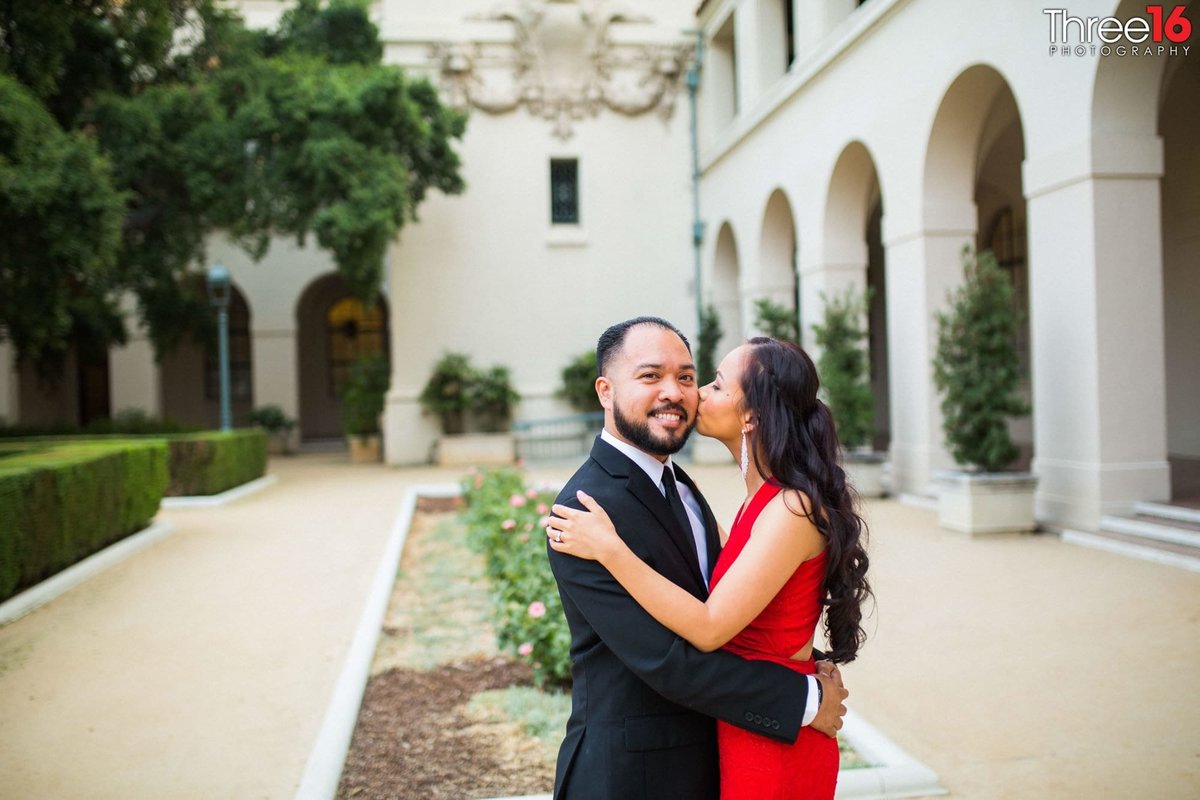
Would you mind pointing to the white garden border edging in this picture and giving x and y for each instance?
(323, 770)
(62, 582)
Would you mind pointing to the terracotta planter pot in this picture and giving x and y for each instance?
(365, 449)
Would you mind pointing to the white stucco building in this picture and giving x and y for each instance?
(841, 143)
(866, 143)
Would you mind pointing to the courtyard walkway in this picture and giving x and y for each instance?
(201, 667)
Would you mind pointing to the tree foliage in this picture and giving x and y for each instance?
(776, 320)
(185, 124)
(976, 368)
(844, 368)
(707, 338)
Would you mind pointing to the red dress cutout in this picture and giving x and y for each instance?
(754, 767)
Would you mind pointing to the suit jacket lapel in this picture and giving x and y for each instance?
(649, 495)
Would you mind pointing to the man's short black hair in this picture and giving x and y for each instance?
(611, 340)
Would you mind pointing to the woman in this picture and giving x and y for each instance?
(795, 546)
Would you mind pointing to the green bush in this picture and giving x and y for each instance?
(364, 394)
(844, 368)
(213, 461)
(977, 368)
(777, 320)
(447, 393)
(493, 398)
(706, 345)
(579, 383)
(61, 501)
(505, 522)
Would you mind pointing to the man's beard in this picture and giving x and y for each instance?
(637, 431)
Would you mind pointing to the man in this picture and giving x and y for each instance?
(643, 699)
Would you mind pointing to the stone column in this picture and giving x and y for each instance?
(922, 265)
(276, 367)
(1096, 307)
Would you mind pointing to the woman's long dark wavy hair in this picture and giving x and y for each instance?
(797, 448)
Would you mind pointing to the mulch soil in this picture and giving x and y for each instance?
(415, 739)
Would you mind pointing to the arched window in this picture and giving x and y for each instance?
(352, 330)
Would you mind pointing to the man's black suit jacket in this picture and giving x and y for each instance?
(643, 699)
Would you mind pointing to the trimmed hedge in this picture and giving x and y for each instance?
(212, 461)
(61, 501)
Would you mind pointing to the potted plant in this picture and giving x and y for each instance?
(448, 391)
(362, 403)
(976, 372)
(705, 450)
(846, 384)
(776, 320)
(278, 426)
(492, 399)
(579, 383)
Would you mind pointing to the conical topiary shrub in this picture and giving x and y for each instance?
(844, 368)
(976, 369)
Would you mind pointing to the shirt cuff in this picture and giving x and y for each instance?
(811, 702)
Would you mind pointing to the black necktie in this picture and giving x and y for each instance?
(671, 491)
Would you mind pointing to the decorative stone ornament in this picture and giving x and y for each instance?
(563, 64)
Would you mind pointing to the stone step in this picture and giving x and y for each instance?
(1153, 528)
(1175, 513)
(1161, 552)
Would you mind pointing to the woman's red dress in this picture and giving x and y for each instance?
(754, 767)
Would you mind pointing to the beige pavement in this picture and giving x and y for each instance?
(200, 668)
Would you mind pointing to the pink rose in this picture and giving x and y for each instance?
(508, 524)
(531, 494)
(524, 538)
(537, 609)
(517, 500)
(525, 649)
(543, 509)
(478, 481)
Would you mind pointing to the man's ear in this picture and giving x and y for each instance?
(604, 391)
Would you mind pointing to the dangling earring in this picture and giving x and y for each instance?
(745, 456)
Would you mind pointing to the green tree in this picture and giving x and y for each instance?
(707, 338)
(60, 236)
(776, 320)
(207, 126)
(844, 368)
(976, 368)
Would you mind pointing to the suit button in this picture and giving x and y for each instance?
(758, 719)
(749, 717)
(775, 724)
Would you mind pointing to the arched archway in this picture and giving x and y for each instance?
(334, 328)
(775, 276)
(726, 291)
(1178, 120)
(190, 374)
(853, 259)
(976, 115)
